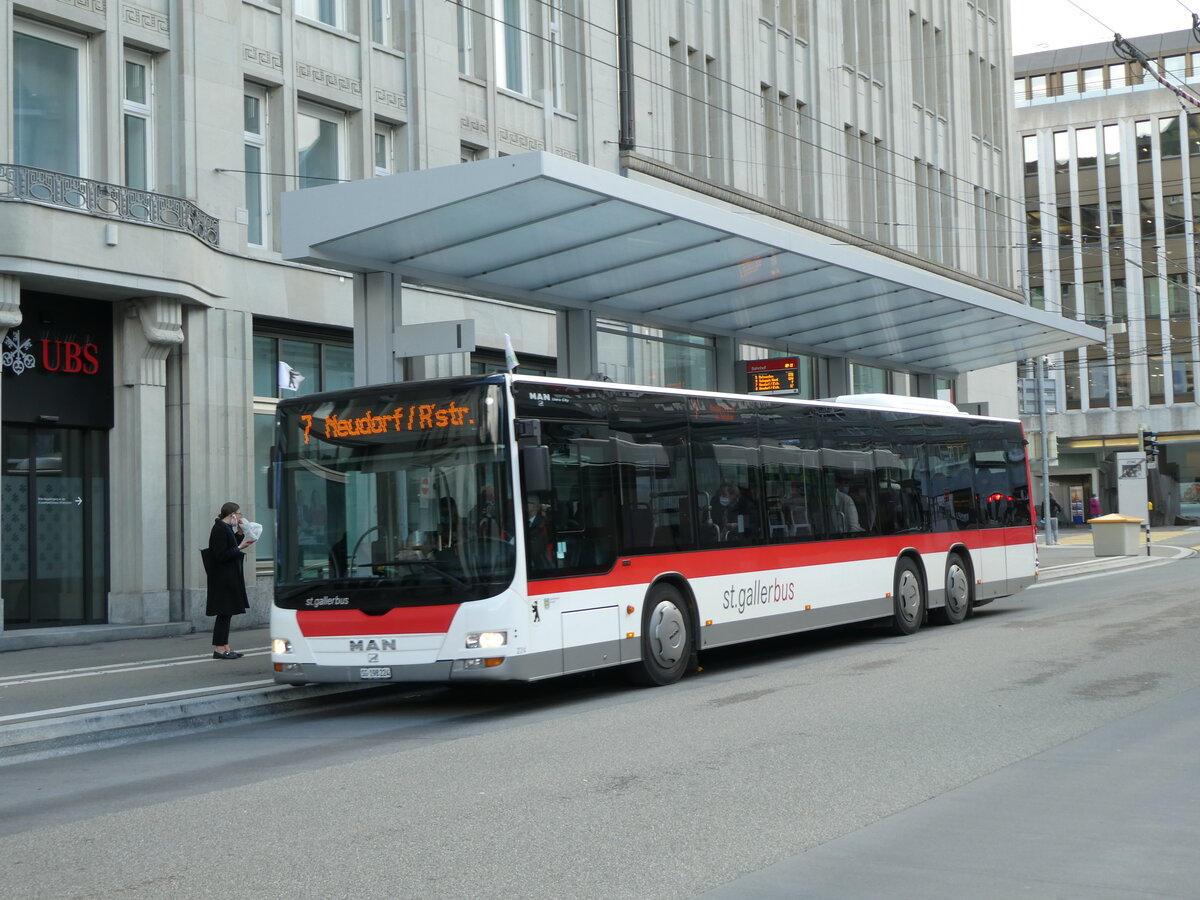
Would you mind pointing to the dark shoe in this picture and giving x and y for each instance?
(236, 655)
(228, 654)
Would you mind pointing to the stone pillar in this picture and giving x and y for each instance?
(148, 330)
(10, 317)
(725, 359)
(577, 343)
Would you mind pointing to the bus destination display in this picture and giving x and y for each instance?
(773, 376)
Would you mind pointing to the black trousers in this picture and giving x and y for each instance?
(221, 631)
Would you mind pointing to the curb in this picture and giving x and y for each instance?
(62, 735)
(1108, 563)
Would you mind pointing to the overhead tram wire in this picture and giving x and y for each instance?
(959, 180)
(1018, 221)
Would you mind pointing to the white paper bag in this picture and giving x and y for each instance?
(252, 530)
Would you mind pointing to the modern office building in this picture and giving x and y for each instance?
(855, 157)
(1112, 206)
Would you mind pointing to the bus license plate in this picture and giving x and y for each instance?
(375, 673)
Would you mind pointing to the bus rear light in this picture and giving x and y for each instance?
(280, 646)
(630, 610)
(486, 640)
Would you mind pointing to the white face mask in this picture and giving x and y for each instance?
(725, 501)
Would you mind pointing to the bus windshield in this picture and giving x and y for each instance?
(397, 498)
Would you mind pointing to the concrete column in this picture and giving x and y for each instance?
(10, 317)
(834, 377)
(577, 343)
(377, 315)
(726, 362)
(148, 329)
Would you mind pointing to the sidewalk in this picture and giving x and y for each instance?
(86, 690)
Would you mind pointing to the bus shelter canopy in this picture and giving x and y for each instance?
(540, 229)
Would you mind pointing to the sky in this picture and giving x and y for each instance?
(1051, 24)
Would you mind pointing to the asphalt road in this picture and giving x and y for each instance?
(783, 769)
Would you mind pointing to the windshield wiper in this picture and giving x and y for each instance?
(433, 567)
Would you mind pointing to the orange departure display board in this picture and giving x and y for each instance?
(773, 376)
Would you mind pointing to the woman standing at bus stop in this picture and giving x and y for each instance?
(226, 577)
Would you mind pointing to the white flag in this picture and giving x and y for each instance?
(289, 378)
(510, 357)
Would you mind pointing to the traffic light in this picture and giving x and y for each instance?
(1150, 444)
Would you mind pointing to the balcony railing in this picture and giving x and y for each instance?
(109, 201)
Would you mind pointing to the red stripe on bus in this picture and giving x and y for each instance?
(403, 620)
(731, 561)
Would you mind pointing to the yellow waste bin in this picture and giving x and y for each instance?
(1115, 535)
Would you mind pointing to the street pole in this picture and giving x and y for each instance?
(1041, 395)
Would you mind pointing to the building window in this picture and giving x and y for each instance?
(512, 45)
(1112, 145)
(472, 37)
(467, 153)
(387, 23)
(565, 53)
(1070, 83)
(327, 12)
(1141, 139)
(319, 135)
(1093, 80)
(1062, 152)
(254, 136)
(868, 379)
(1085, 147)
(138, 122)
(326, 363)
(383, 154)
(1168, 136)
(1030, 145)
(638, 354)
(1037, 87)
(48, 99)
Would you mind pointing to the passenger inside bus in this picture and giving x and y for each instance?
(735, 514)
(846, 510)
(537, 530)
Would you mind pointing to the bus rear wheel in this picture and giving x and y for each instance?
(958, 592)
(666, 638)
(908, 598)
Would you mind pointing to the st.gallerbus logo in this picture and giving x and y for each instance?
(17, 357)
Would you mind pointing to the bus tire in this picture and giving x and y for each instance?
(666, 638)
(958, 592)
(908, 598)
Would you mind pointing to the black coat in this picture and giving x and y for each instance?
(226, 577)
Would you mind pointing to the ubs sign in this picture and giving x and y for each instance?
(57, 364)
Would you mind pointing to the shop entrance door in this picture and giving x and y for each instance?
(55, 550)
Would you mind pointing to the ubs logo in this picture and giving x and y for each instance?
(17, 357)
(68, 357)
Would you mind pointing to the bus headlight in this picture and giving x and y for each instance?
(280, 646)
(486, 639)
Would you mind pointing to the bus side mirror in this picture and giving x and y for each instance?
(535, 464)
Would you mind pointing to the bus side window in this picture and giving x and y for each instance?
(581, 519)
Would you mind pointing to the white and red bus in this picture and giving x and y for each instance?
(508, 527)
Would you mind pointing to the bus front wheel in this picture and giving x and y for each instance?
(958, 592)
(908, 598)
(666, 638)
